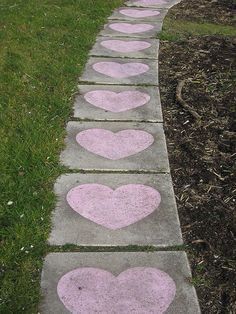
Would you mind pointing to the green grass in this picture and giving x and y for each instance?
(175, 30)
(43, 48)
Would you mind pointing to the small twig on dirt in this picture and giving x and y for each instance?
(216, 174)
(183, 102)
(200, 241)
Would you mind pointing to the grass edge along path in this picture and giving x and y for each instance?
(177, 30)
(44, 48)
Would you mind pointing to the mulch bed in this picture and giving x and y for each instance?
(213, 11)
(202, 158)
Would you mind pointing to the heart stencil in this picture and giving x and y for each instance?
(113, 209)
(128, 28)
(139, 13)
(150, 2)
(119, 70)
(136, 290)
(114, 146)
(125, 46)
(117, 102)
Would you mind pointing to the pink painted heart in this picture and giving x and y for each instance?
(128, 28)
(136, 290)
(120, 70)
(114, 146)
(125, 46)
(117, 102)
(150, 2)
(139, 13)
(113, 209)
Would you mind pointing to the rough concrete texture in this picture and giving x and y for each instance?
(145, 149)
(138, 14)
(121, 47)
(136, 290)
(120, 71)
(127, 103)
(113, 209)
(160, 227)
(138, 29)
(163, 278)
(156, 4)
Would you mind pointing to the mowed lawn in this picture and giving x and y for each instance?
(44, 45)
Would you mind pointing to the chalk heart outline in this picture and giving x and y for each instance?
(150, 2)
(136, 290)
(117, 102)
(114, 146)
(128, 28)
(120, 70)
(125, 46)
(114, 209)
(139, 13)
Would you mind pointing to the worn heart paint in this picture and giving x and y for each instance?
(136, 290)
(114, 146)
(127, 28)
(139, 13)
(120, 70)
(113, 209)
(125, 46)
(117, 102)
(150, 2)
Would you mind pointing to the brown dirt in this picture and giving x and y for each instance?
(202, 158)
(215, 11)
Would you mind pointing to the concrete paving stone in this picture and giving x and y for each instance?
(159, 228)
(138, 29)
(138, 269)
(121, 71)
(156, 4)
(138, 14)
(121, 47)
(129, 103)
(122, 146)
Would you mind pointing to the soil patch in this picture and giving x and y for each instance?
(202, 158)
(215, 11)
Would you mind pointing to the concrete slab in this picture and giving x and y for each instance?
(138, 14)
(120, 103)
(124, 28)
(121, 71)
(159, 228)
(143, 269)
(156, 4)
(119, 146)
(121, 47)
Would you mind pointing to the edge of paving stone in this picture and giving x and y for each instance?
(140, 35)
(79, 101)
(166, 5)
(116, 15)
(57, 192)
(103, 79)
(92, 52)
(52, 255)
